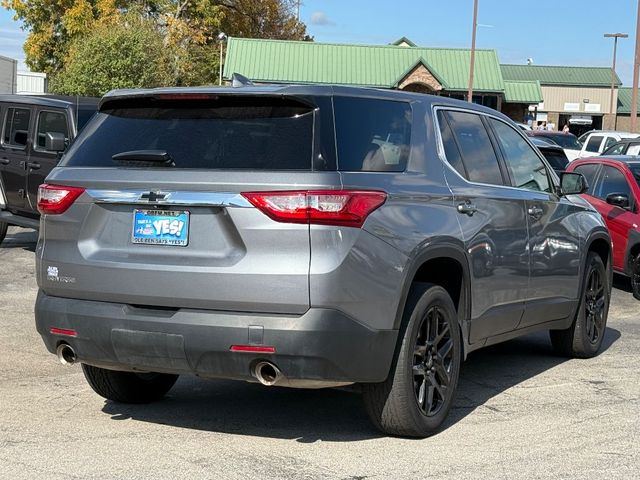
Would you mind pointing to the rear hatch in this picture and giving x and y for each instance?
(164, 222)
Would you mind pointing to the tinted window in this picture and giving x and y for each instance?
(372, 135)
(527, 170)
(593, 145)
(635, 169)
(16, 127)
(616, 149)
(610, 141)
(221, 133)
(557, 159)
(565, 140)
(589, 172)
(84, 115)
(451, 151)
(479, 158)
(54, 122)
(612, 181)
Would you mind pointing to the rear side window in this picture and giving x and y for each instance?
(49, 121)
(557, 160)
(634, 149)
(16, 127)
(589, 172)
(259, 133)
(451, 151)
(372, 135)
(593, 145)
(609, 142)
(477, 152)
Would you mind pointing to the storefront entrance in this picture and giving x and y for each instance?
(579, 124)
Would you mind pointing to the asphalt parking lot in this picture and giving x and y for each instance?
(520, 412)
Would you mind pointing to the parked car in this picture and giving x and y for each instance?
(35, 130)
(552, 152)
(615, 193)
(310, 236)
(567, 141)
(598, 141)
(626, 146)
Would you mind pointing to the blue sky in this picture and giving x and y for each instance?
(552, 32)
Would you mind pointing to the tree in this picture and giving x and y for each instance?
(188, 29)
(126, 55)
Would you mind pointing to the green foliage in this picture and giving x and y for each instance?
(128, 55)
(91, 46)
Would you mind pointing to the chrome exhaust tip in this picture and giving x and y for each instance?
(66, 354)
(267, 373)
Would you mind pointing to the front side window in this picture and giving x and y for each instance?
(593, 144)
(53, 122)
(526, 168)
(16, 127)
(613, 181)
(609, 142)
(634, 149)
(372, 135)
(588, 171)
(477, 152)
(616, 149)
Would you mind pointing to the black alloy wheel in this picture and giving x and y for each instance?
(635, 277)
(432, 362)
(595, 302)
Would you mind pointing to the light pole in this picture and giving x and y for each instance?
(615, 37)
(473, 50)
(222, 37)
(636, 65)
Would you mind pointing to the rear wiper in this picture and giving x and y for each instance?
(159, 157)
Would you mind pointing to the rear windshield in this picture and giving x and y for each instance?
(568, 141)
(557, 160)
(219, 133)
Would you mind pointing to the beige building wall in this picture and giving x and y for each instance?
(623, 124)
(556, 98)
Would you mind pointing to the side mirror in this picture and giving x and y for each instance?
(54, 142)
(619, 200)
(572, 183)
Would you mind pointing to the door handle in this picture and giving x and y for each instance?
(467, 208)
(34, 166)
(535, 212)
(5, 161)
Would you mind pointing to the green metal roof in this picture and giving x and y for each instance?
(624, 101)
(558, 75)
(384, 66)
(404, 40)
(522, 92)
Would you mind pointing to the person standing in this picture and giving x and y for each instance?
(565, 129)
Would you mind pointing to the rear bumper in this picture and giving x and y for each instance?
(321, 347)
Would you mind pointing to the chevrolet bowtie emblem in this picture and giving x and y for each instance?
(153, 196)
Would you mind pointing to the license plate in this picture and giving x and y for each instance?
(161, 227)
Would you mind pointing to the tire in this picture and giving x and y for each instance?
(584, 337)
(128, 387)
(3, 230)
(408, 403)
(635, 277)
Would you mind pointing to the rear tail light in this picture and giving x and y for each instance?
(348, 208)
(56, 199)
(63, 331)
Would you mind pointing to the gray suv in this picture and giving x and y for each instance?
(311, 236)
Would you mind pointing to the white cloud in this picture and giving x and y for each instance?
(320, 19)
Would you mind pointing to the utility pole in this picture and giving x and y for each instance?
(615, 37)
(298, 15)
(636, 65)
(473, 50)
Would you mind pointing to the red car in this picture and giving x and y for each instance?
(614, 190)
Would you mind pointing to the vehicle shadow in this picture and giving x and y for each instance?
(622, 282)
(332, 415)
(26, 239)
(492, 370)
